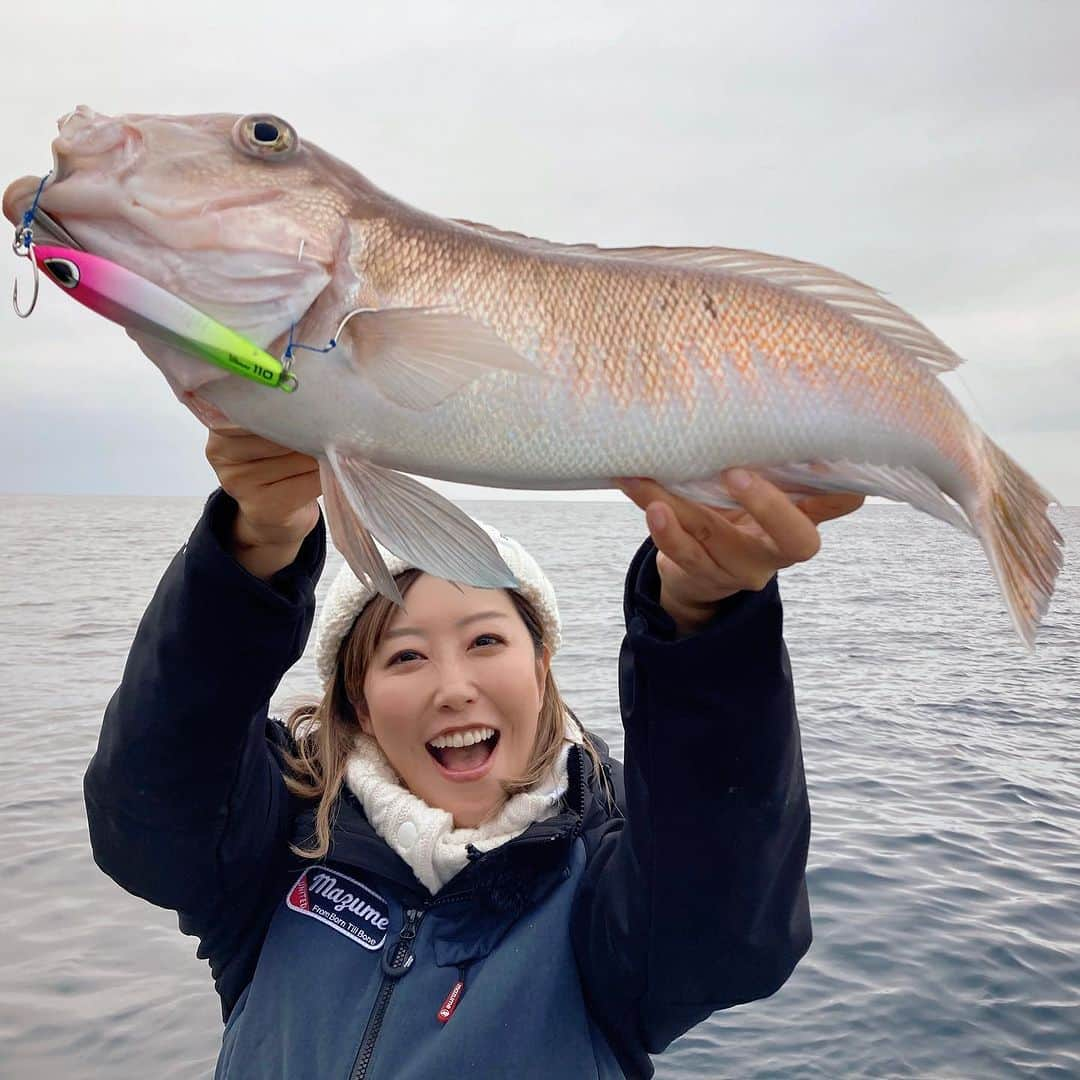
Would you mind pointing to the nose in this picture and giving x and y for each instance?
(456, 689)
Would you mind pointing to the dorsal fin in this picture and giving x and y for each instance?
(861, 302)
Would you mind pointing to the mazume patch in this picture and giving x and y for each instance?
(343, 904)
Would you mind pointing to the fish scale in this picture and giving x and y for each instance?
(487, 357)
(480, 271)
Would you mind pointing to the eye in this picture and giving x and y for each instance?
(404, 655)
(265, 136)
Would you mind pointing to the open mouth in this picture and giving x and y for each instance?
(465, 754)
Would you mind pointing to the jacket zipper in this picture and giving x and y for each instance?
(402, 958)
(400, 962)
(398, 965)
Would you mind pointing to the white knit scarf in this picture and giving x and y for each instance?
(424, 836)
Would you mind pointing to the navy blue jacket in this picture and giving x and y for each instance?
(584, 945)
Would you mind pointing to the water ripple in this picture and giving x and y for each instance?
(941, 758)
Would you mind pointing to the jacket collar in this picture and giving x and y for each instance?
(354, 843)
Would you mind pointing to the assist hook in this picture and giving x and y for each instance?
(23, 245)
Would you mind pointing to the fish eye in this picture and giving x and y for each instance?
(265, 136)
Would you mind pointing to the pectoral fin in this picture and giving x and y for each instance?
(418, 357)
(409, 519)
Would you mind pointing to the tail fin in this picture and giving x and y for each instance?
(1019, 539)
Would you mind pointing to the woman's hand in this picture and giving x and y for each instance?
(275, 488)
(705, 555)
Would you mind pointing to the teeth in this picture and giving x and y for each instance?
(462, 738)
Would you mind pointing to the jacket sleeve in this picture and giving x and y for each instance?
(184, 799)
(697, 900)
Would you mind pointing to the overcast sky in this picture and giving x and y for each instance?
(929, 149)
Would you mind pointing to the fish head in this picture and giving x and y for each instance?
(234, 214)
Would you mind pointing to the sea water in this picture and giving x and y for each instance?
(941, 758)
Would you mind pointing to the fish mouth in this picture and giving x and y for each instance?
(50, 223)
(212, 275)
(19, 198)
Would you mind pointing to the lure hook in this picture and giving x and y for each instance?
(23, 247)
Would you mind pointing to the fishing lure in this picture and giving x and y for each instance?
(137, 304)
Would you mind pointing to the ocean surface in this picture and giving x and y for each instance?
(942, 761)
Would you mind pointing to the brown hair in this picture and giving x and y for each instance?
(324, 733)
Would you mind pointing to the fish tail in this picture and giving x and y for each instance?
(1020, 540)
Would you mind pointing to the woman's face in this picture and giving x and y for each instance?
(456, 665)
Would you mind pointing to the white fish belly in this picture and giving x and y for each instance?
(511, 430)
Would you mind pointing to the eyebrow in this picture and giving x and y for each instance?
(401, 631)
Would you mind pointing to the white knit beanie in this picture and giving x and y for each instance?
(348, 596)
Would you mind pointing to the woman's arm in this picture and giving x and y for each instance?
(183, 735)
(698, 901)
(185, 801)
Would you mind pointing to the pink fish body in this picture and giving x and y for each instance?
(486, 357)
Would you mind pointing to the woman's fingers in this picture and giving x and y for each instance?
(821, 508)
(264, 472)
(793, 534)
(701, 539)
(700, 522)
(706, 553)
(274, 487)
(282, 501)
(237, 445)
(787, 534)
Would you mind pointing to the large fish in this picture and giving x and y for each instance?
(488, 357)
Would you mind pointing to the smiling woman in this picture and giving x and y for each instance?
(440, 829)
(460, 706)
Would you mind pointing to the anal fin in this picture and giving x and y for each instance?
(802, 479)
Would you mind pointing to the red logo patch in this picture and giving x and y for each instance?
(298, 898)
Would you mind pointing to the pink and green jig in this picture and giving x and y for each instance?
(138, 304)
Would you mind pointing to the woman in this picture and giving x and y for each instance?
(377, 901)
